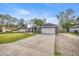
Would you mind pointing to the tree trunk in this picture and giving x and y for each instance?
(67, 29)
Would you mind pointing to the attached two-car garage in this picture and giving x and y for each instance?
(49, 29)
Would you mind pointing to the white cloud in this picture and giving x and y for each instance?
(52, 20)
(22, 11)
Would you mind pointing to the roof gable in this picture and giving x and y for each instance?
(49, 25)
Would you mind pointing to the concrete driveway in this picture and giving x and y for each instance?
(38, 45)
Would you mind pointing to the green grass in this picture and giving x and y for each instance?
(11, 37)
(75, 33)
(56, 53)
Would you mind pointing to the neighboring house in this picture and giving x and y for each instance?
(49, 29)
(4, 29)
(21, 30)
(74, 28)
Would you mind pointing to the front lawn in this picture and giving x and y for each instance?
(75, 33)
(11, 37)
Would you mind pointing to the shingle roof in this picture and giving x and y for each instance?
(49, 25)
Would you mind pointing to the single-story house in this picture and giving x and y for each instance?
(74, 28)
(44, 29)
(49, 29)
(6, 29)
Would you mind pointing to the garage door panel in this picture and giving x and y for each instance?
(48, 30)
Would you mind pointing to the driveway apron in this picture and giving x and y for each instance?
(38, 45)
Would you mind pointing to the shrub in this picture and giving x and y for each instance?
(75, 31)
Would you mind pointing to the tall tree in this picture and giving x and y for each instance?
(21, 23)
(77, 20)
(38, 22)
(3, 19)
(7, 21)
(13, 23)
(66, 18)
(26, 24)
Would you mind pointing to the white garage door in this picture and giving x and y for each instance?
(48, 30)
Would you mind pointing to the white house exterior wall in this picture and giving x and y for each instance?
(74, 29)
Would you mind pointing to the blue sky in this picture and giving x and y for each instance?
(37, 10)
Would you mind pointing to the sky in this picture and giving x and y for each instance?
(37, 10)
